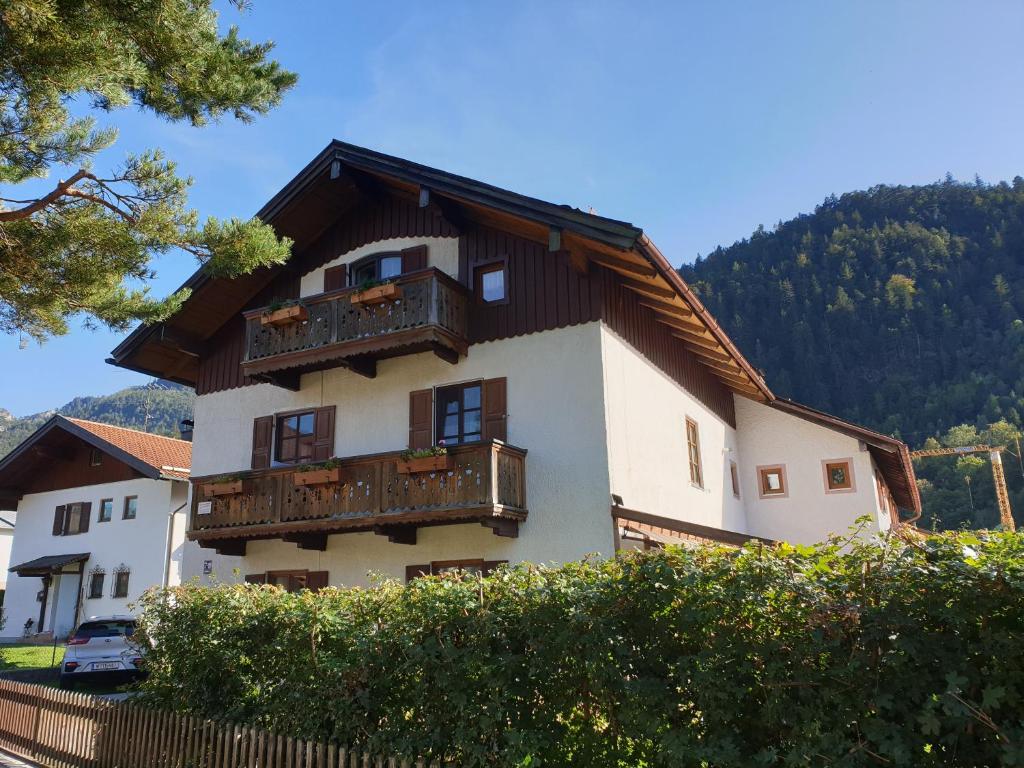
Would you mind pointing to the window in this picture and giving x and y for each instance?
(289, 581)
(772, 481)
(295, 437)
(106, 510)
(838, 475)
(693, 453)
(108, 628)
(734, 475)
(458, 414)
(380, 266)
(131, 507)
(121, 582)
(96, 584)
(74, 520)
(95, 457)
(490, 283)
(480, 566)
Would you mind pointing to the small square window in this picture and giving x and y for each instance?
(838, 475)
(131, 507)
(95, 457)
(106, 511)
(772, 481)
(96, 585)
(734, 475)
(490, 283)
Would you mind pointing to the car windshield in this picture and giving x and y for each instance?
(106, 629)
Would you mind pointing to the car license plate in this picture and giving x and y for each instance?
(105, 665)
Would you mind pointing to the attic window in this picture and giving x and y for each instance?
(95, 457)
(838, 475)
(490, 283)
(771, 481)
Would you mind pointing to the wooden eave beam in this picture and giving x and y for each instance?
(445, 208)
(648, 289)
(621, 265)
(665, 306)
(672, 321)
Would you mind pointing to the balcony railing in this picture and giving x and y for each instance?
(429, 314)
(485, 482)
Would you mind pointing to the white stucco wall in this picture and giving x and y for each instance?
(138, 544)
(555, 412)
(442, 253)
(646, 413)
(6, 540)
(807, 514)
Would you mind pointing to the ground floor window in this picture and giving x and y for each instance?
(437, 567)
(291, 580)
(121, 576)
(96, 579)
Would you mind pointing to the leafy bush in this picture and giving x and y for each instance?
(890, 652)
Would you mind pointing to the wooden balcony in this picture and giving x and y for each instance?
(485, 483)
(428, 315)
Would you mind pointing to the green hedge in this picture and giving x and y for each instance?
(883, 653)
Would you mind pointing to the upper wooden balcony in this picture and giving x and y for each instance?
(483, 482)
(428, 314)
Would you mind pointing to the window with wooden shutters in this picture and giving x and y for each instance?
(58, 520)
(295, 437)
(458, 414)
(436, 568)
(323, 433)
(421, 419)
(335, 278)
(262, 439)
(316, 580)
(495, 409)
(414, 258)
(256, 578)
(379, 266)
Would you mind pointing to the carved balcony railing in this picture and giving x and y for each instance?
(485, 482)
(430, 314)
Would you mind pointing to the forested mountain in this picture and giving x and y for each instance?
(155, 407)
(899, 307)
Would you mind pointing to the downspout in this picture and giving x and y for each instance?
(167, 545)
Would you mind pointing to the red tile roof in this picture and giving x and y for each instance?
(169, 456)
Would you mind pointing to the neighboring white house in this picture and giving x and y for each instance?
(6, 539)
(100, 519)
(586, 399)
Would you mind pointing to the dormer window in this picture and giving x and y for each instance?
(380, 266)
(95, 457)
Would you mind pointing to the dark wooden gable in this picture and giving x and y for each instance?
(63, 461)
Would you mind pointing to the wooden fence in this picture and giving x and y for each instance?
(62, 729)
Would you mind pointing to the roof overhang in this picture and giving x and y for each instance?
(49, 564)
(37, 449)
(669, 530)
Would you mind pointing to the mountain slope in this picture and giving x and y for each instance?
(156, 407)
(899, 307)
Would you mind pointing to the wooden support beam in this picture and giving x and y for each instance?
(442, 206)
(284, 379)
(664, 306)
(313, 541)
(704, 342)
(502, 526)
(627, 266)
(679, 323)
(554, 239)
(735, 379)
(186, 343)
(647, 289)
(231, 547)
(713, 355)
(447, 354)
(363, 365)
(397, 534)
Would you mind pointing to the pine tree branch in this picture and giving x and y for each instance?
(61, 190)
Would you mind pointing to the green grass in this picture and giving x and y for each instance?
(25, 656)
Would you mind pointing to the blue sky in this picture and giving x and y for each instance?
(695, 121)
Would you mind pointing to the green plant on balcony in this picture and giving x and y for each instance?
(284, 312)
(318, 473)
(371, 292)
(223, 485)
(433, 459)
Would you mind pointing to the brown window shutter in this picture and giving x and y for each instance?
(421, 417)
(323, 433)
(256, 578)
(414, 258)
(495, 405)
(316, 580)
(415, 571)
(335, 278)
(262, 437)
(58, 521)
(84, 515)
(490, 565)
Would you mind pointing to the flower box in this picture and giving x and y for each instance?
(317, 477)
(424, 464)
(379, 294)
(227, 488)
(296, 313)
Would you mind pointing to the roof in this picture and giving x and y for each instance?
(668, 530)
(170, 457)
(152, 456)
(42, 566)
(891, 455)
(5, 523)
